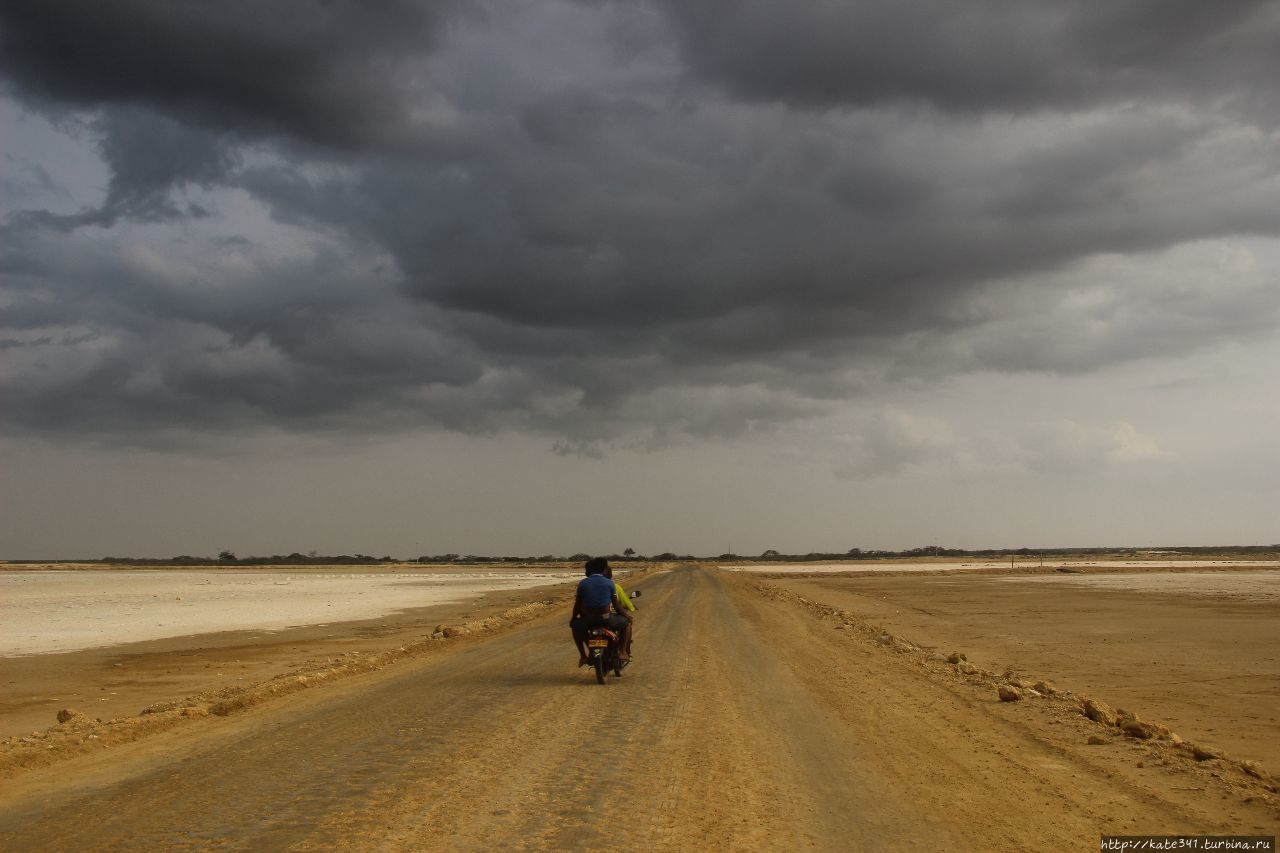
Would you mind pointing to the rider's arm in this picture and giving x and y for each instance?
(617, 606)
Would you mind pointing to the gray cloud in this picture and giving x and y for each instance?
(334, 72)
(616, 224)
(1066, 447)
(893, 441)
(149, 155)
(1003, 55)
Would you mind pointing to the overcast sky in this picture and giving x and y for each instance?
(430, 276)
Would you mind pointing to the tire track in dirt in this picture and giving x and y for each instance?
(554, 774)
(794, 770)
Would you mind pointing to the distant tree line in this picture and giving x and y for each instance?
(228, 558)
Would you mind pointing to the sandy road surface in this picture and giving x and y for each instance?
(746, 723)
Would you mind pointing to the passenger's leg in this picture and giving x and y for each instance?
(579, 640)
(622, 625)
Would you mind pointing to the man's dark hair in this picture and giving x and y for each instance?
(597, 566)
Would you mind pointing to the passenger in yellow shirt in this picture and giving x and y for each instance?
(625, 601)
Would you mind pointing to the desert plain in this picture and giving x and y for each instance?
(846, 706)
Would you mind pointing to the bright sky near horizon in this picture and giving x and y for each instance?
(443, 276)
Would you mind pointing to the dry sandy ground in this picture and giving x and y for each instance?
(121, 680)
(756, 717)
(1189, 650)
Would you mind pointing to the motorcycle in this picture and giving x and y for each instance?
(602, 650)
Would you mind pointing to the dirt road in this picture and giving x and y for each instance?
(747, 722)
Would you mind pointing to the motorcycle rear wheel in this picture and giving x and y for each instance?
(599, 665)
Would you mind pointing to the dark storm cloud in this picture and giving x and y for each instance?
(615, 222)
(337, 72)
(140, 347)
(1009, 55)
(184, 83)
(149, 154)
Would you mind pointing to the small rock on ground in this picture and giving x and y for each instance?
(1099, 712)
(1134, 727)
(1254, 769)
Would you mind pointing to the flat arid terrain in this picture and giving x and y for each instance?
(765, 710)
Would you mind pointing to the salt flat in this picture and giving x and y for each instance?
(1247, 586)
(52, 611)
(944, 565)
